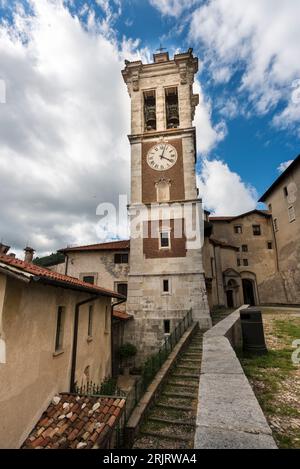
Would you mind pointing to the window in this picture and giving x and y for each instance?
(121, 258)
(238, 229)
(245, 262)
(212, 266)
(270, 245)
(164, 239)
(89, 279)
(285, 191)
(256, 230)
(90, 321)
(122, 289)
(172, 111)
(59, 328)
(238, 261)
(270, 207)
(244, 248)
(292, 214)
(167, 326)
(275, 222)
(150, 110)
(106, 324)
(166, 286)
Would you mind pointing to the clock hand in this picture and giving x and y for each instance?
(162, 155)
(165, 158)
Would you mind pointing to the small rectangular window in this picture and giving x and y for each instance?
(244, 248)
(212, 266)
(166, 286)
(164, 239)
(167, 326)
(150, 110)
(276, 227)
(285, 191)
(60, 319)
(245, 262)
(106, 324)
(90, 321)
(122, 289)
(89, 279)
(121, 258)
(238, 229)
(270, 245)
(292, 214)
(256, 230)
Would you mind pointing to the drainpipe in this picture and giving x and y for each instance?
(67, 264)
(75, 338)
(111, 331)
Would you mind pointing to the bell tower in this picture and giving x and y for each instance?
(166, 277)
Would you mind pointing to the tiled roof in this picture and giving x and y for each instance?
(281, 178)
(224, 244)
(47, 276)
(264, 213)
(122, 315)
(76, 422)
(111, 246)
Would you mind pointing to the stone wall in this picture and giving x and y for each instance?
(229, 415)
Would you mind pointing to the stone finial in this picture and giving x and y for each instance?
(29, 252)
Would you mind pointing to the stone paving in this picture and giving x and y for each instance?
(171, 422)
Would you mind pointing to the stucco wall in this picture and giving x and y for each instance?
(287, 236)
(32, 374)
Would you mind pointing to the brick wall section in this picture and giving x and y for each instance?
(151, 245)
(150, 176)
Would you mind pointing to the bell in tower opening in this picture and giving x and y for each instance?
(150, 110)
(172, 111)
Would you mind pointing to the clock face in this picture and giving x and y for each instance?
(161, 156)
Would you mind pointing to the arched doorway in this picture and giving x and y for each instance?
(248, 290)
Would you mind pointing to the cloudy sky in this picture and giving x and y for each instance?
(64, 109)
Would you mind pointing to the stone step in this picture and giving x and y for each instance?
(185, 385)
(171, 422)
(181, 375)
(185, 367)
(165, 436)
(175, 407)
(179, 395)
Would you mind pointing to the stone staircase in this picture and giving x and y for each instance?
(171, 422)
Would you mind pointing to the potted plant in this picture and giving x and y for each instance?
(126, 353)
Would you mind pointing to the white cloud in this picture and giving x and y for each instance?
(208, 135)
(259, 37)
(173, 7)
(222, 190)
(283, 166)
(63, 129)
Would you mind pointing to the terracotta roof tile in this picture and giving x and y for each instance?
(86, 428)
(110, 246)
(117, 314)
(45, 275)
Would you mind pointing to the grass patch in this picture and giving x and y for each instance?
(268, 374)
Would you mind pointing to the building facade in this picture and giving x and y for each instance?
(39, 357)
(166, 277)
(240, 254)
(283, 201)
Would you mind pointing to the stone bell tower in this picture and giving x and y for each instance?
(166, 277)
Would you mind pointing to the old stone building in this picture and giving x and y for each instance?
(166, 277)
(55, 331)
(239, 254)
(283, 201)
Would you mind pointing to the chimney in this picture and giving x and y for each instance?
(12, 254)
(4, 249)
(28, 254)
